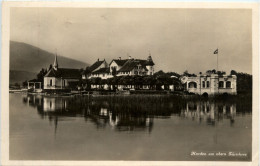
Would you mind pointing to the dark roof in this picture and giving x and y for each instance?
(142, 62)
(34, 80)
(95, 65)
(119, 62)
(101, 70)
(149, 63)
(130, 64)
(64, 73)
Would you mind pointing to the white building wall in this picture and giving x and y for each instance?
(57, 83)
(214, 84)
(47, 81)
(150, 70)
(124, 73)
(114, 64)
(102, 76)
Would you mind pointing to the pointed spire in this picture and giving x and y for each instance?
(55, 64)
(150, 60)
(149, 57)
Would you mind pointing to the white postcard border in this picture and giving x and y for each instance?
(5, 76)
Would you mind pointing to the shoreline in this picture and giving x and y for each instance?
(149, 93)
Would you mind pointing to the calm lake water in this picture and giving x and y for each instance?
(131, 127)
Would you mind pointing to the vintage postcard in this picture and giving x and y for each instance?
(129, 83)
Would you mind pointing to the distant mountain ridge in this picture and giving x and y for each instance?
(20, 76)
(25, 57)
(27, 60)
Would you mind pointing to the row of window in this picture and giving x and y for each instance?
(138, 67)
(136, 73)
(206, 84)
(51, 83)
(103, 75)
(221, 84)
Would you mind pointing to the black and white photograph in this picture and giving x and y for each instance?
(130, 83)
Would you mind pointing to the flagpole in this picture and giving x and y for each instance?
(216, 52)
(217, 61)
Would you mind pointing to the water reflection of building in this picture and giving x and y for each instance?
(102, 115)
(119, 121)
(130, 117)
(34, 100)
(54, 104)
(209, 111)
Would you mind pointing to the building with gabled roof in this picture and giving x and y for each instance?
(133, 67)
(97, 65)
(89, 72)
(60, 78)
(103, 73)
(121, 67)
(119, 61)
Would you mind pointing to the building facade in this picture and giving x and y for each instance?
(60, 78)
(120, 67)
(209, 84)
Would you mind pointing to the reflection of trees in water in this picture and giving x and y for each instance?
(131, 113)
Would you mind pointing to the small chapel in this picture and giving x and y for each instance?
(60, 78)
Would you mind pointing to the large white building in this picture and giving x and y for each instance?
(209, 84)
(121, 67)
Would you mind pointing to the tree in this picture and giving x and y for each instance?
(25, 83)
(244, 83)
(87, 72)
(233, 72)
(186, 73)
(159, 73)
(138, 81)
(73, 84)
(81, 70)
(150, 81)
(114, 72)
(40, 76)
(173, 74)
(86, 84)
(103, 82)
(208, 72)
(17, 85)
(96, 80)
(221, 73)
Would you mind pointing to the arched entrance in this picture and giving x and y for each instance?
(192, 85)
(206, 95)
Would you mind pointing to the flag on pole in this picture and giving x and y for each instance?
(216, 51)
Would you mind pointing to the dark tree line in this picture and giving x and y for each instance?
(244, 82)
(152, 81)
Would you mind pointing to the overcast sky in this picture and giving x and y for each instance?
(178, 39)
